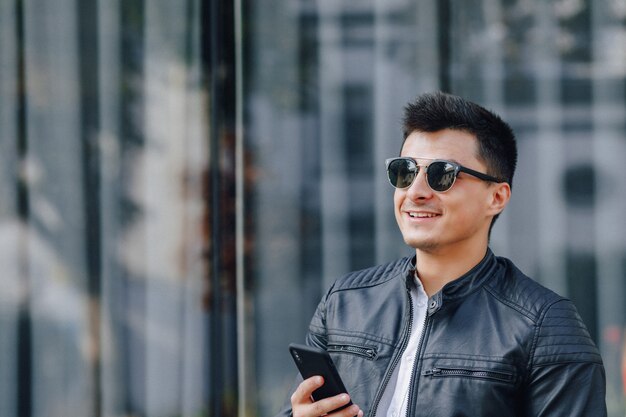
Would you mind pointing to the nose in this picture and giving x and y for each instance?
(420, 190)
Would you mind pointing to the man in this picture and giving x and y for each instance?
(453, 330)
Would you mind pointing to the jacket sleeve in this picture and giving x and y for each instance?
(566, 375)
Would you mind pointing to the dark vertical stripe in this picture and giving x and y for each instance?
(24, 323)
(310, 157)
(87, 23)
(210, 52)
(131, 116)
(22, 144)
(218, 51)
(444, 22)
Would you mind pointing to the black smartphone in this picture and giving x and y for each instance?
(314, 361)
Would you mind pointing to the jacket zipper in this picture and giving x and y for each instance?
(472, 373)
(396, 359)
(368, 353)
(418, 355)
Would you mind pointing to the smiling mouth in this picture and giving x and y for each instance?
(422, 215)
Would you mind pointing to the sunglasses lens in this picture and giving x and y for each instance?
(401, 172)
(441, 175)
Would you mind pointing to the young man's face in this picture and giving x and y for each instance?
(454, 220)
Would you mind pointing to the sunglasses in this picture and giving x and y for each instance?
(440, 174)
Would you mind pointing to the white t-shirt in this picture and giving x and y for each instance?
(394, 402)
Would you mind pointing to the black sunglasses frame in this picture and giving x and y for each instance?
(457, 168)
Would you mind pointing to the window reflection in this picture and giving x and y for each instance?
(118, 176)
(540, 64)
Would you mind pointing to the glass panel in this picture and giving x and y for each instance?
(570, 126)
(326, 82)
(103, 170)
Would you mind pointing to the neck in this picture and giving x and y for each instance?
(436, 268)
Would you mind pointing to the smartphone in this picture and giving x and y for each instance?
(314, 361)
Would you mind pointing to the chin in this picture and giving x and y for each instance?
(422, 244)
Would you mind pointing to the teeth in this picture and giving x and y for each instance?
(422, 215)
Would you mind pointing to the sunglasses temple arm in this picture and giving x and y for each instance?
(480, 175)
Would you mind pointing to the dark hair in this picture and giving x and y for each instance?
(432, 112)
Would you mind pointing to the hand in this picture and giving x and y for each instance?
(302, 405)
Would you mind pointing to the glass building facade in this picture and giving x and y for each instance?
(180, 181)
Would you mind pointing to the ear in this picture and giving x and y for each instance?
(499, 198)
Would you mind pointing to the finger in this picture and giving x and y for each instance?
(327, 405)
(351, 411)
(302, 394)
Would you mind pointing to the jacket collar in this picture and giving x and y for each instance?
(466, 283)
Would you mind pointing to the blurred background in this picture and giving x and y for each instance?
(180, 181)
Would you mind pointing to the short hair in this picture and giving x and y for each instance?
(497, 149)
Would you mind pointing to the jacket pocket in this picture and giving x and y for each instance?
(465, 372)
(367, 352)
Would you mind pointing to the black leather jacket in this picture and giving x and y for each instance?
(495, 343)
